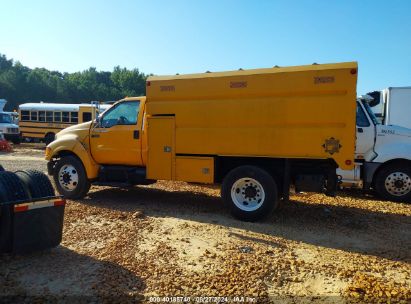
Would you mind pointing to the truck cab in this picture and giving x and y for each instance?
(9, 124)
(383, 157)
(111, 149)
(9, 127)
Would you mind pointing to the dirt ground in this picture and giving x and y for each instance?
(152, 243)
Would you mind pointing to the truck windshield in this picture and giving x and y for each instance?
(5, 118)
(370, 113)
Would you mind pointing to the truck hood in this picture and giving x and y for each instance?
(391, 136)
(8, 125)
(393, 130)
(392, 142)
(80, 131)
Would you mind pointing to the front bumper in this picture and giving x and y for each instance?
(11, 136)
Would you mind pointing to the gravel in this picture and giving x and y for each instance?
(176, 239)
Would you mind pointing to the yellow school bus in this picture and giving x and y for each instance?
(43, 120)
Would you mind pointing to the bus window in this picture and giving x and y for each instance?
(57, 116)
(86, 116)
(33, 116)
(74, 117)
(49, 116)
(66, 116)
(42, 115)
(25, 115)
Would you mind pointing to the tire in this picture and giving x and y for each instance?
(11, 189)
(393, 182)
(49, 138)
(71, 178)
(250, 193)
(37, 182)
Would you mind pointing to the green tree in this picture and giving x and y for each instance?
(20, 84)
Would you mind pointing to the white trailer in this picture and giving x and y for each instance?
(392, 106)
(397, 106)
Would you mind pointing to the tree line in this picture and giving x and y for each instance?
(20, 84)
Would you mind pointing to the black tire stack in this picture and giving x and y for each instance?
(19, 186)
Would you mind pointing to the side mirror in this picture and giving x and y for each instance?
(97, 123)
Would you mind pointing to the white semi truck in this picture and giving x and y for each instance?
(392, 106)
(383, 157)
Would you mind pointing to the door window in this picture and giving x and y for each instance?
(362, 120)
(124, 113)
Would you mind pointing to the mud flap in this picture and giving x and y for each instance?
(37, 226)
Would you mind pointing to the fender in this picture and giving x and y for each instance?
(70, 143)
(393, 151)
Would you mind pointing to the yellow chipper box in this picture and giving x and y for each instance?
(297, 123)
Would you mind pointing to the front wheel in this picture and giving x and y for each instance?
(393, 182)
(250, 192)
(71, 178)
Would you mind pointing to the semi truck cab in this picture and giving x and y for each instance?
(383, 157)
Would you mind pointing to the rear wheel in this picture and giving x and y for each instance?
(393, 182)
(71, 178)
(250, 192)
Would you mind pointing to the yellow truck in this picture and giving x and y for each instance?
(255, 132)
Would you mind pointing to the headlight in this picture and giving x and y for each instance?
(47, 153)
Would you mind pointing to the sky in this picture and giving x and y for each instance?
(189, 36)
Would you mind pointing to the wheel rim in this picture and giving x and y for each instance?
(68, 177)
(398, 184)
(247, 194)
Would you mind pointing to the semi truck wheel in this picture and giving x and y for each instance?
(37, 182)
(250, 193)
(70, 178)
(11, 189)
(393, 182)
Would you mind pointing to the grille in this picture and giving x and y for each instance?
(12, 130)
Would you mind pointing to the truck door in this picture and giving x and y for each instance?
(161, 149)
(115, 139)
(365, 134)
